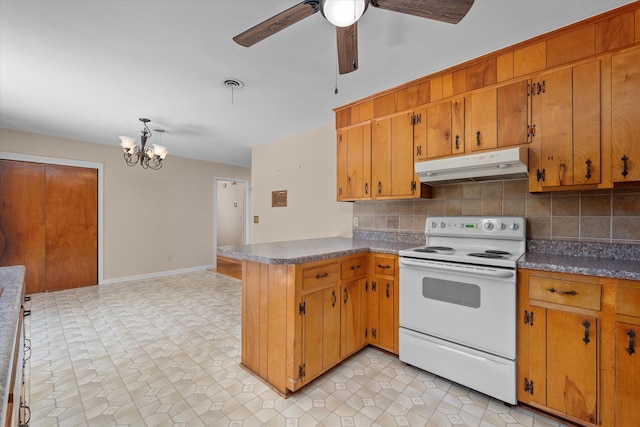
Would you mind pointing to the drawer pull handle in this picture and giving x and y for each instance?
(383, 266)
(559, 292)
(335, 299)
(322, 275)
(355, 267)
(586, 325)
(632, 341)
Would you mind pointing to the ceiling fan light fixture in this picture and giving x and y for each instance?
(343, 13)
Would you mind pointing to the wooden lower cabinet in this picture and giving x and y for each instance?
(573, 357)
(383, 303)
(300, 320)
(627, 354)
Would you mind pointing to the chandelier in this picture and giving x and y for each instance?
(147, 157)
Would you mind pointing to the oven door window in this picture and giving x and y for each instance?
(459, 293)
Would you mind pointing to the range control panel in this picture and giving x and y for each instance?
(503, 227)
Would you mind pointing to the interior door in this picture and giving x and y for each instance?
(49, 224)
(72, 238)
(23, 220)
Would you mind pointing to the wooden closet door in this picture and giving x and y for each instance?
(22, 220)
(71, 241)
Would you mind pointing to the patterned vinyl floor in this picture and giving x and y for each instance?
(166, 352)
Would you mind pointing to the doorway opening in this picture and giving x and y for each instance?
(230, 221)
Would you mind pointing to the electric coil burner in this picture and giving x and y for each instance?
(458, 302)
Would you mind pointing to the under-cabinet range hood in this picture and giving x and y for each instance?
(510, 163)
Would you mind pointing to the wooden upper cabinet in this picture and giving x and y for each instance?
(353, 162)
(341, 165)
(625, 116)
(569, 128)
(439, 130)
(500, 116)
(513, 114)
(381, 157)
(392, 157)
(484, 120)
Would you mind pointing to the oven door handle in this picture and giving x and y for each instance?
(474, 270)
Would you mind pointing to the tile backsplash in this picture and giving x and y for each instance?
(611, 215)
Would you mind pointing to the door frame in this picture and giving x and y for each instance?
(77, 163)
(215, 213)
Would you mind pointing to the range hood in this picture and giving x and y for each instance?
(510, 163)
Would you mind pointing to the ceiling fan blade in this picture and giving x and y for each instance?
(451, 11)
(277, 23)
(347, 48)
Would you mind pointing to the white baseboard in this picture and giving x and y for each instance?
(156, 274)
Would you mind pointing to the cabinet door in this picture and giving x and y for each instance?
(358, 162)
(625, 116)
(402, 170)
(457, 126)
(557, 138)
(342, 165)
(321, 332)
(513, 114)
(484, 120)
(352, 326)
(627, 367)
(570, 138)
(439, 130)
(533, 381)
(386, 288)
(381, 157)
(572, 364)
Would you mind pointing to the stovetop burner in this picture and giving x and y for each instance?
(436, 249)
(491, 253)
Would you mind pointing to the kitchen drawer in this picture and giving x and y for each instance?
(353, 268)
(565, 292)
(319, 275)
(628, 300)
(385, 265)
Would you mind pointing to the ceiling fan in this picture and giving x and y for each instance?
(344, 14)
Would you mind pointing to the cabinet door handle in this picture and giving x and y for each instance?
(632, 341)
(586, 325)
(379, 187)
(366, 188)
(335, 298)
(554, 290)
(478, 138)
(346, 295)
(588, 175)
(387, 291)
(457, 142)
(625, 166)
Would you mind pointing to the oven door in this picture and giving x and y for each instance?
(473, 306)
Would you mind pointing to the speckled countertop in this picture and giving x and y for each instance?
(299, 251)
(11, 280)
(617, 261)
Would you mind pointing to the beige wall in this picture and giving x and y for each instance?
(305, 166)
(149, 216)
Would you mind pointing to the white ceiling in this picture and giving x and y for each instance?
(89, 69)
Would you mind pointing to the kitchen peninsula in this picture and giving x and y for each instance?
(309, 304)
